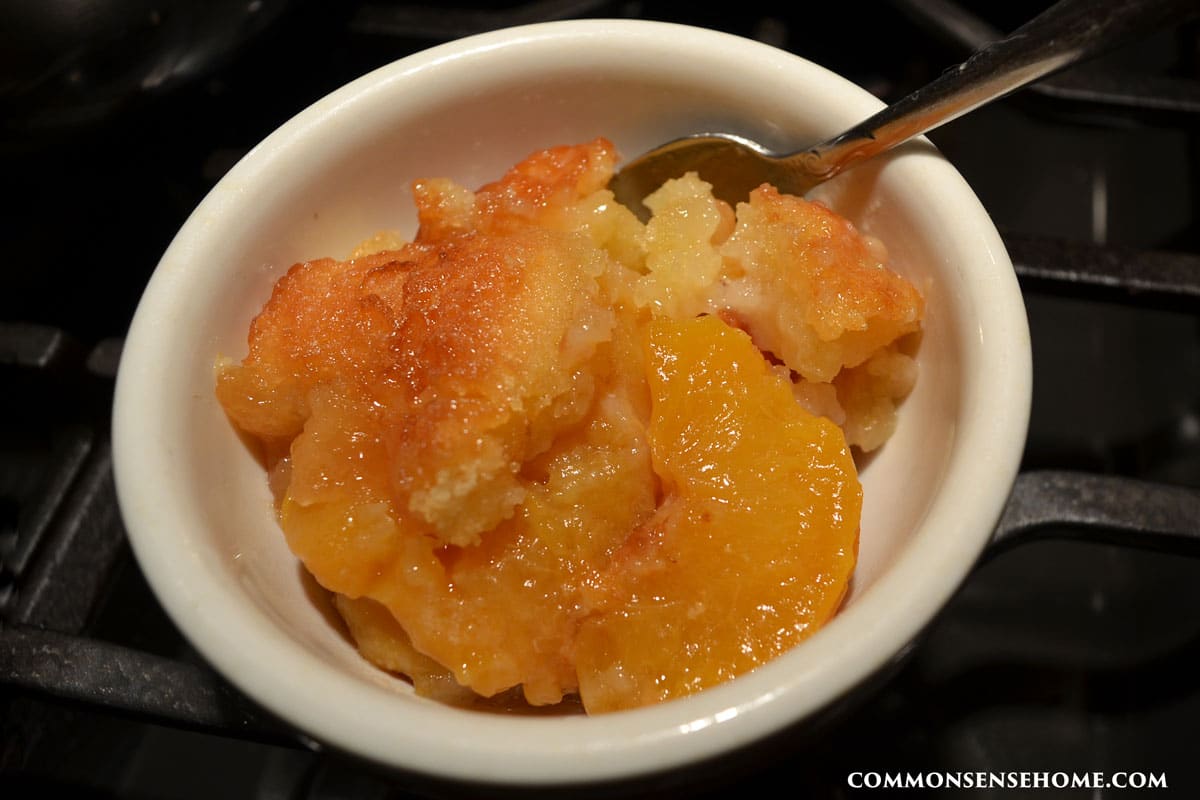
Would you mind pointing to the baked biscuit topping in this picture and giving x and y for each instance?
(545, 448)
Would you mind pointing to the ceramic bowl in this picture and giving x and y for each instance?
(196, 502)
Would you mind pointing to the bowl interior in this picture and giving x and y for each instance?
(196, 500)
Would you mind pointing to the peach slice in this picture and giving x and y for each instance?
(753, 545)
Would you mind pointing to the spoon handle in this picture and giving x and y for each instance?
(1067, 32)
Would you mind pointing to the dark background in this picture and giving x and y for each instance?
(117, 118)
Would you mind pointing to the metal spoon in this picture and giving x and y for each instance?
(1067, 32)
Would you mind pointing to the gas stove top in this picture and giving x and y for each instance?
(1073, 651)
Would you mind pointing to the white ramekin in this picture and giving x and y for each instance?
(196, 503)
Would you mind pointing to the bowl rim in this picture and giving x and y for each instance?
(335, 708)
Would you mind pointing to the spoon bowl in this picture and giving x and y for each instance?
(733, 165)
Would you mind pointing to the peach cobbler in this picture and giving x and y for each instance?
(545, 449)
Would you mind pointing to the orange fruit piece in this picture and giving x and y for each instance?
(753, 545)
(505, 611)
(384, 643)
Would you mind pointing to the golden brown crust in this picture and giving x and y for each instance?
(814, 291)
(461, 421)
(479, 384)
